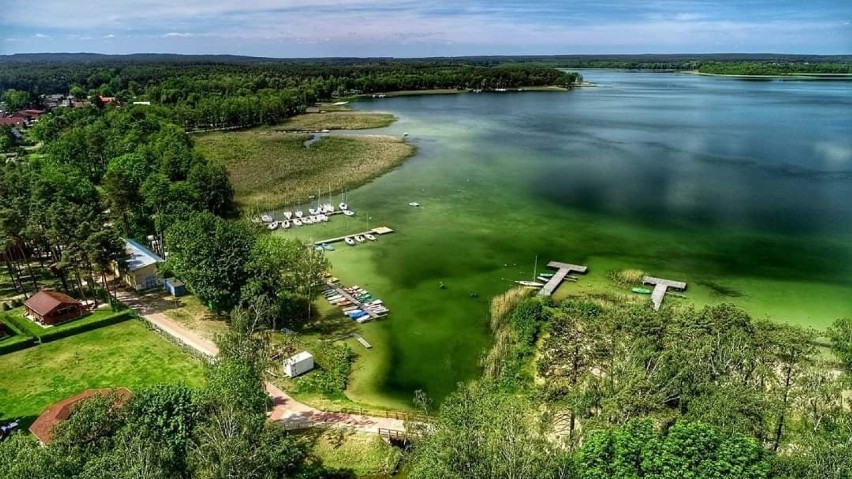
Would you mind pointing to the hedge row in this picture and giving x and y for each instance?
(16, 343)
(23, 341)
(71, 330)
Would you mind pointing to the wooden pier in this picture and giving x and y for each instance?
(379, 230)
(361, 340)
(564, 269)
(660, 287)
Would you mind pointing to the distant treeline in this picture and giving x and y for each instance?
(204, 93)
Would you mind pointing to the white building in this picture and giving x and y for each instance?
(298, 364)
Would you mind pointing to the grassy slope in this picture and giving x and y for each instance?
(270, 169)
(345, 450)
(125, 354)
(337, 120)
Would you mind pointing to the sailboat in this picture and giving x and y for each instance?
(532, 284)
(288, 214)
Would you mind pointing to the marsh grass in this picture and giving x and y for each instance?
(626, 277)
(270, 169)
(336, 120)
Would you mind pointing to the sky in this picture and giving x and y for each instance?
(406, 28)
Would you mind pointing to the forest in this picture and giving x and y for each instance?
(596, 389)
(212, 94)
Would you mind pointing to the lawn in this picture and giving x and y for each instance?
(337, 120)
(270, 169)
(125, 354)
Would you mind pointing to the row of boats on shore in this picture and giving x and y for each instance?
(320, 214)
(355, 302)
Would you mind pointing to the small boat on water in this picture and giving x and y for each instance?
(369, 236)
(288, 214)
(285, 224)
(314, 211)
(543, 278)
(546, 275)
(359, 238)
(642, 290)
(318, 248)
(327, 247)
(299, 214)
(348, 212)
(531, 284)
(297, 222)
(273, 225)
(414, 204)
(349, 241)
(343, 206)
(266, 218)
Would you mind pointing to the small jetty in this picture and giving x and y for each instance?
(361, 340)
(563, 270)
(660, 288)
(380, 230)
(372, 309)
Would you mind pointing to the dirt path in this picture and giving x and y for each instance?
(292, 413)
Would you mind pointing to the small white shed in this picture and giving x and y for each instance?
(298, 364)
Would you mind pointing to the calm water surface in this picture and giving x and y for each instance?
(742, 189)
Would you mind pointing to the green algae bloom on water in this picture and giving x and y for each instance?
(740, 189)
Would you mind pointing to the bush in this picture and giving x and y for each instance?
(72, 329)
(6, 307)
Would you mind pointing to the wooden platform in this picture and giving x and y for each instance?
(379, 230)
(361, 340)
(660, 288)
(564, 269)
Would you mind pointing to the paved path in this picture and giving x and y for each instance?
(292, 413)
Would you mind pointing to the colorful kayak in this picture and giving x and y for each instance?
(642, 290)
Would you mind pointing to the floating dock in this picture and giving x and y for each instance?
(660, 288)
(379, 230)
(564, 269)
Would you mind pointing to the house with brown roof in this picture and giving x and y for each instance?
(52, 307)
(60, 411)
(14, 121)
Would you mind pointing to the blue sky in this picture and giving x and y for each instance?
(311, 28)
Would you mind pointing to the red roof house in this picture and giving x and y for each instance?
(51, 307)
(43, 426)
(13, 120)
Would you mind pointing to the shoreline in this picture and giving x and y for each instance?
(791, 76)
(270, 167)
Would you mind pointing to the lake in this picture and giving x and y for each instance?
(740, 188)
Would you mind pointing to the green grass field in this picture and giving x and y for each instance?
(270, 169)
(125, 354)
(337, 120)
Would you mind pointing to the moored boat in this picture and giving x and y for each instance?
(273, 225)
(297, 222)
(531, 284)
(266, 218)
(359, 238)
(369, 236)
(414, 204)
(642, 290)
(349, 241)
(348, 212)
(285, 224)
(343, 206)
(288, 214)
(327, 247)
